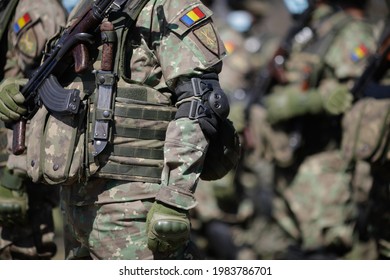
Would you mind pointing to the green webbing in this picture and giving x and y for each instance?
(144, 114)
(136, 152)
(131, 170)
(140, 133)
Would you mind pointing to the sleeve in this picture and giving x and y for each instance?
(34, 23)
(347, 57)
(189, 46)
(189, 43)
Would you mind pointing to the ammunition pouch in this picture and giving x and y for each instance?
(55, 153)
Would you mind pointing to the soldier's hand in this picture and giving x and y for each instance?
(168, 228)
(11, 100)
(339, 101)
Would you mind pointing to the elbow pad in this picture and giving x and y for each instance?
(206, 103)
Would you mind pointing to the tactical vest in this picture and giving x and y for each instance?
(137, 122)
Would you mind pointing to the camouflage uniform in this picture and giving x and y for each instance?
(313, 203)
(365, 148)
(151, 156)
(30, 26)
(221, 219)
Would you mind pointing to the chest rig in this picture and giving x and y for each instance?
(127, 121)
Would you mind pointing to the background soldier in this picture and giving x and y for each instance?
(25, 208)
(221, 219)
(130, 199)
(365, 147)
(301, 129)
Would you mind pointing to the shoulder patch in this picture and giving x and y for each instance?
(192, 17)
(21, 22)
(28, 43)
(207, 36)
(359, 53)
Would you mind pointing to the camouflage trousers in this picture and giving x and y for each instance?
(106, 219)
(317, 209)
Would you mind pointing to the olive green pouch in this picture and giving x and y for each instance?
(56, 156)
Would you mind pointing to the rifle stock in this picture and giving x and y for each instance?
(74, 39)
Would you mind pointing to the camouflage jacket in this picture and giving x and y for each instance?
(170, 42)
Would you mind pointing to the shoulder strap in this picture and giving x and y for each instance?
(123, 22)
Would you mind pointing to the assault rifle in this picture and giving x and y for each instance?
(273, 72)
(43, 87)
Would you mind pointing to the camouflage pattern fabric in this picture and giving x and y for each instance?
(225, 206)
(313, 202)
(321, 202)
(32, 25)
(157, 58)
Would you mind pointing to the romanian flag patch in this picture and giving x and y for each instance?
(359, 53)
(21, 22)
(192, 17)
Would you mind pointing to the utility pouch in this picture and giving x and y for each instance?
(56, 156)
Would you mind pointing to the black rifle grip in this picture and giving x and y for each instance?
(19, 137)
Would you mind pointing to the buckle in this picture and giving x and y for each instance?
(197, 110)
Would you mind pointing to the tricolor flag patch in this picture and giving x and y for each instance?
(192, 17)
(21, 22)
(359, 53)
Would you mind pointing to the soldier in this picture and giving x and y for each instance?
(365, 148)
(301, 135)
(220, 220)
(127, 196)
(25, 208)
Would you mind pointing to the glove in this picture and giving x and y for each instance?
(168, 229)
(339, 101)
(11, 100)
(287, 105)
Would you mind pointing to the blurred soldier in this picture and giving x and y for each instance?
(365, 146)
(301, 131)
(221, 218)
(127, 188)
(26, 224)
